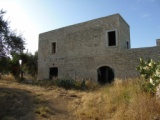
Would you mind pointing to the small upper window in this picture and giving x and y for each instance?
(112, 38)
(54, 47)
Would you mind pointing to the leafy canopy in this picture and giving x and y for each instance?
(10, 42)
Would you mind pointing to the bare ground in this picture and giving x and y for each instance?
(27, 102)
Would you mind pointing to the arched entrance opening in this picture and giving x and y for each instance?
(105, 75)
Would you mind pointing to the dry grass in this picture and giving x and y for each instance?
(119, 101)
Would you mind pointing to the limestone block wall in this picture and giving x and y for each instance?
(81, 49)
(124, 32)
(158, 42)
(85, 38)
(123, 63)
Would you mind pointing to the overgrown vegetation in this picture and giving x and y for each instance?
(10, 42)
(122, 100)
(150, 71)
(68, 84)
(12, 46)
(130, 99)
(29, 64)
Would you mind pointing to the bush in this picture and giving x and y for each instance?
(65, 83)
(150, 71)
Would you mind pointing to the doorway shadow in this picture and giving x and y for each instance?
(105, 75)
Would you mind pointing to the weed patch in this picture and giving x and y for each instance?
(68, 84)
(122, 101)
(42, 111)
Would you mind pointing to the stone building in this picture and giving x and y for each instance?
(98, 50)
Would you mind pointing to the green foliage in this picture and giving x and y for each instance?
(3, 33)
(66, 83)
(148, 87)
(14, 66)
(63, 83)
(4, 65)
(31, 66)
(150, 71)
(10, 42)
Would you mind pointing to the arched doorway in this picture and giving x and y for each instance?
(105, 75)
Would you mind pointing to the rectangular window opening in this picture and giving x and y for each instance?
(112, 38)
(127, 45)
(54, 47)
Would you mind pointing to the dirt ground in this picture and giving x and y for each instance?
(119, 101)
(27, 102)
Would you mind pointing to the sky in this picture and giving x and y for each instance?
(32, 17)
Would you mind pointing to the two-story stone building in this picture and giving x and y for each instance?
(98, 50)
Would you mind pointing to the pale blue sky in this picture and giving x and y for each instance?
(32, 17)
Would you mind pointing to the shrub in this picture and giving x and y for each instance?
(65, 83)
(150, 71)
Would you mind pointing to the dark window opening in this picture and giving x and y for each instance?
(112, 38)
(53, 73)
(127, 45)
(54, 47)
(105, 75)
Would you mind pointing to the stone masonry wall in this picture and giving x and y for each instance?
(81, 50)
(123, 63)
(85, 38)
